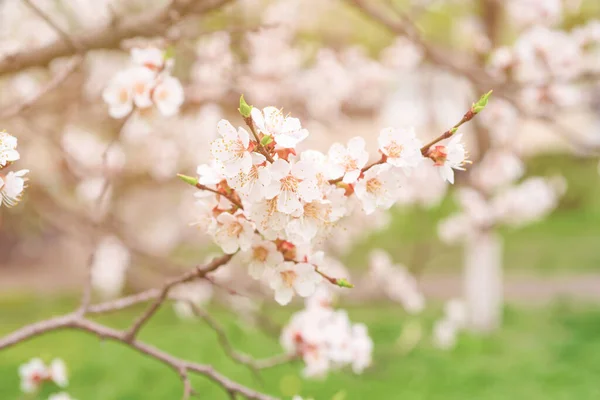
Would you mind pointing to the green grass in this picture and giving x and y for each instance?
(548, 353)
(563, 243)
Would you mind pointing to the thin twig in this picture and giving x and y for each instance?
(164, 292)
(54, 83)
(469, 115)
(86, 296)
(254, 364)
(451, 62)
(149, 24)
(73, 44)
(187, 384)
(227, 196)
(261, 148)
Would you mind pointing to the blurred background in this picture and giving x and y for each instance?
(512, 243)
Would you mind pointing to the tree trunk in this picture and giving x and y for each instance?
(483, 282)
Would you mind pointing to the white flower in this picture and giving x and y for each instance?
(528, 202)
(110, 264)
(8, 149)
(543, 54)
(286, 131)
(233, 232)
(12, 186)
(209, 174)
(292, 183)
(290, 278)
(456, 312)
(361, 346)
(168, 96)
(318, 162)
(32, 374)
(231, 150)
(149, 57)
(448, 158)
(313, 216)
(119, 95)
(378, 188)
(58, 372)
(326, 339)
(263, 256)
(347, 162)
(316, 362)
(338, 202)
(269, 221)
(444, 334)
(60, 396)
(401, 147)
(531, 12)
(143, 81)
(252, 185)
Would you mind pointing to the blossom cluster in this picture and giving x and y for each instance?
(395, 281)
(13, 183)
(146, 84)
(263, 198)
(548, 62)
(36, 373)
(325, 338)
(524, 203)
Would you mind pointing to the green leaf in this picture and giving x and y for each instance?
(245, 108)
(188, 179)
(266, 140)
(481, 103)
(343, 283)
(169, 53)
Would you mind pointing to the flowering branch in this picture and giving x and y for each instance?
(194, 182)
(261, 148)
(475, 109)
(469, 115)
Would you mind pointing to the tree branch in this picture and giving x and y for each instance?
(149, 24)
(74, 45)
(254, 364)
(443, 59)
(197, 272)
(180, 366)
(52, 84)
